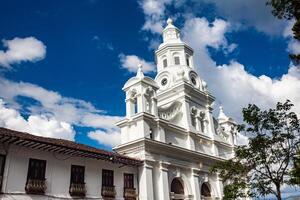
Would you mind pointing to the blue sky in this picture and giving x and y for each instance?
(84, 51)
(63, 62)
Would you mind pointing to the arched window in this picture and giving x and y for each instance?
(165, 62)
(177, 187)
(205, 190)
(132, 101)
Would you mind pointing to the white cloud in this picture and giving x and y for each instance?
(21, 50)
(131, 62)
(53, 113)
(34, 124)
(206, 34)
(100, 121)
(110, 139)
(154, 11)
(254, 13)
(241, 14)
(231, 83)
(293, 44)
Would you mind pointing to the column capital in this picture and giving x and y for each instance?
(148, 164)
(195, 172)
(164, 166)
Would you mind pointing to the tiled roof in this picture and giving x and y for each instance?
(63, 147)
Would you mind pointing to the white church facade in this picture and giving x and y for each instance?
(169, 125)
(169, 141)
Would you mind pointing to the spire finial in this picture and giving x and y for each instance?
(140, 73)
(222, 114)
(169, 21)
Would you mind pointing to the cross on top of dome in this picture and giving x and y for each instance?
(169, 21)
(171, 32)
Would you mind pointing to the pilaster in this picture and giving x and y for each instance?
(146, 182)
(164, 192)
(195, 183)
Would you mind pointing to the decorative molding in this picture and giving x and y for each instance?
(170, 112)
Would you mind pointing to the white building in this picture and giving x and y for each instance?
(169, 125)
(169, 140)
(37, 168)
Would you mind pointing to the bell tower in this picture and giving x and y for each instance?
(173, 51)
(180, 85)
(141, 99)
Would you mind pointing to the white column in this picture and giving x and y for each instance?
(146, 182)
(129, 107)
(154, 110)
(219, 186)
(164, 193)
(186, 118)
(141, 104)
(195, 183)
(161, 135)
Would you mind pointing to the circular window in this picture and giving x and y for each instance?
(164, 82)
(194, 80)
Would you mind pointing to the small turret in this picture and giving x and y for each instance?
(227, 127)
(140, 94)
(171, 33)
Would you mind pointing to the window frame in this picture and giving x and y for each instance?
(165, 62)
(187, 59)
(176, 60)
(79, 179)
(107, 178)
(128, 180)
(33, 173)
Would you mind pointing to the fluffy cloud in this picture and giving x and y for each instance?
(231, 83)
(254, 13)
(293, 45)
(110, 139)
(239, 13)
(52, 115)
(131, 62)
(35, 124)
(154, 11)
(21, 50)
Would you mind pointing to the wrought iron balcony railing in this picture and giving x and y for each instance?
(108, 191)
(77, 189)
(130, 193)
(35, 186)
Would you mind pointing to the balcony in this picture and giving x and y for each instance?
(130, 193)
(77, 189)
(108, 191)
(35, 186)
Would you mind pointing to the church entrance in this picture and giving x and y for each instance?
(177, 189)
(205, 191)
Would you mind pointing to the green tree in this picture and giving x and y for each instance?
(295, 172)
(264, 165)
(289, 10)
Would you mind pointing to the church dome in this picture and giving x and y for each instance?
(140, 77)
